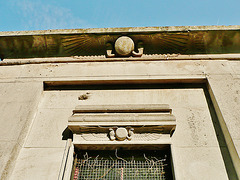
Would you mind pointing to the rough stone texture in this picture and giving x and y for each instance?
(38, 118)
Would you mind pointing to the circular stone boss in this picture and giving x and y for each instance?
(121, 134)
(124, 46)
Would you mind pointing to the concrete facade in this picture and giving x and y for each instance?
(38, 96)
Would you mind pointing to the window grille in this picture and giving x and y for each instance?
(100, 168)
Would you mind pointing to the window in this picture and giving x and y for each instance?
(122, 164)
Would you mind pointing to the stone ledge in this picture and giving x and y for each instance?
(154, 57)
(117, 30)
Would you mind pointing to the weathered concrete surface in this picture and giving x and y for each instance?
(38, 163)
(48, 123)
(200, 163)
(44, 114)
(18, 106)
(95, 70)
(227, 105)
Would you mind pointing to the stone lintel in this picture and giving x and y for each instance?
(121, 117)
(122, 108)
(126, 122)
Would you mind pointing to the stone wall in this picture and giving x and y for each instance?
(33, 119)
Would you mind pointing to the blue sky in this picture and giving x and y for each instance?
(16, 15)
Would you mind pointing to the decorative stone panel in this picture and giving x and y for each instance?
(122, 124)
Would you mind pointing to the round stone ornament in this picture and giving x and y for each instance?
(121, 134)
(124, 46)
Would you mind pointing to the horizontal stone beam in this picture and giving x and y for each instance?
(122, 117)
(122, 108)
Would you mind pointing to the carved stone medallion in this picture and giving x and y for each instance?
(121, 134)
(124, 46)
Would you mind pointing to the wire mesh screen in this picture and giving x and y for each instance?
(120, 168)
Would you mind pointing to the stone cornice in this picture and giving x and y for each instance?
(120, 30)
(183, 40)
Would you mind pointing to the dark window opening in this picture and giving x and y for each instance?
(122, 165)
